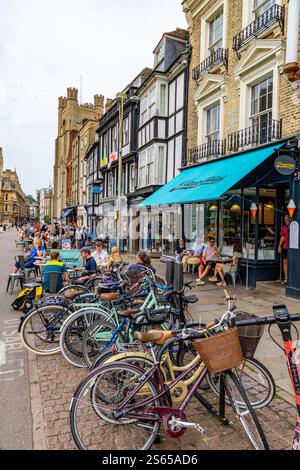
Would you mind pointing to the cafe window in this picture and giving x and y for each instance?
(230, 222)
(266, 224)
(249, 222)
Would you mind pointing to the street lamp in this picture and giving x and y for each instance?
(120, 98)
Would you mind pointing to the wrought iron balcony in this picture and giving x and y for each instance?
(218, 57)
(254, 135)
(210, 150)
(261, 23)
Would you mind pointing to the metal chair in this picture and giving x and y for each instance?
(234, 275)
(14, 279)
(27, 271)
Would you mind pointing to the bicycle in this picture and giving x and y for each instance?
(125, 400)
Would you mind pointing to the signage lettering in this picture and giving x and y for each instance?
(194, 184)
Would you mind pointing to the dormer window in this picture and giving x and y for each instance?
(159, 54)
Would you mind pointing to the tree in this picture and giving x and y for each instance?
(47, 220)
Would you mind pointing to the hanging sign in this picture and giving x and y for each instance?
(294, 235)
(285, 165)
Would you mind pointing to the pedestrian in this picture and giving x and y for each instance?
(284, 246)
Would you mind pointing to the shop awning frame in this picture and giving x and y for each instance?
(67, 213)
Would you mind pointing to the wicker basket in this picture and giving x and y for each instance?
(221, 352)
(249, 335)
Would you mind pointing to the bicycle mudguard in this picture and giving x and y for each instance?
(121, 357)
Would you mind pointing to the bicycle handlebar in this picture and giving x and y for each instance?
(265, 320)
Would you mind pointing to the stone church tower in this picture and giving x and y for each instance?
(71, 116)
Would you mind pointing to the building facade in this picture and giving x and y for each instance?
(162, 137)
(32, 209)
(12, 198)
(45, 204)
(71, 119)
(242, 114)
(102, 168)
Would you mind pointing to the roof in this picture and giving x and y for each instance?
(179, 33)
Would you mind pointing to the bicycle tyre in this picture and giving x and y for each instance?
(255, 435)
(90, 346)
(73, 352)
(269, 384)
(53, 341)
(76, 413)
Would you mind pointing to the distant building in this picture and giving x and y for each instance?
(44, 203)
(31, 209)
(12, 197)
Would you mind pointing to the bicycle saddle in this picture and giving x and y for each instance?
(71, 295)
(128, 313)
(110, 297)
(190, 299)
(153, 336)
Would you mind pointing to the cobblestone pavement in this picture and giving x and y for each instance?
(57, 381)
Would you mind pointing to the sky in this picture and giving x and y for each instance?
(47, 45)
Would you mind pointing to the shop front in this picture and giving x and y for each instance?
(240, 199)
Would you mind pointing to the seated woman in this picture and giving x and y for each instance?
(37, 252)
(228, 268)
(143, 261)
(114, 258)
(180, 251)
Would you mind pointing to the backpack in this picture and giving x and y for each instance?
(26, 299)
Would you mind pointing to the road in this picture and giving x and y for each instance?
(15, 415)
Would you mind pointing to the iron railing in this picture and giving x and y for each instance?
(261, 23)
(217, 57)
(212, 149)
(254, 135)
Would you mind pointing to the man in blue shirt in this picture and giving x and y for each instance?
(55, 266)
(90, 265)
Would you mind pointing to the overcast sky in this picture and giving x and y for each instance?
(46, 45)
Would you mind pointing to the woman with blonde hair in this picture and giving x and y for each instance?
(115, 257)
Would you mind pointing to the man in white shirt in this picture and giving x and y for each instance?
(100, 256)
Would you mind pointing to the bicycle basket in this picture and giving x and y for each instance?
(220, 352)
(249, 335)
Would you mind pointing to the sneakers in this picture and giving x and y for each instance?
(199, 282)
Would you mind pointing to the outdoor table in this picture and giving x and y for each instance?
(226, 260)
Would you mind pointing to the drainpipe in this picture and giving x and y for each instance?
(291, 67)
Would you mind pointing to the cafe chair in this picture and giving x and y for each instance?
(13, 280)
(235, 275)
(26, 271)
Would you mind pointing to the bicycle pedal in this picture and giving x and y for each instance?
(187, 425)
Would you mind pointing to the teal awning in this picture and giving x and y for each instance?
(210, 180)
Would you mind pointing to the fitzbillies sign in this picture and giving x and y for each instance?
(285, 165)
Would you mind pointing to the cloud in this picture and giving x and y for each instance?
(48, 45)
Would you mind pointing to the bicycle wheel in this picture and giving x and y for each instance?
(96, 339)
(40, 330)
(246, 415)
(256, 380)
(93, 424)
(72, 333)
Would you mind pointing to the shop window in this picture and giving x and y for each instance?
(249, 224)
(266, 224)
(126, 132)
(230, 222)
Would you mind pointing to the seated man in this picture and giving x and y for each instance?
(194, 257)
(90, 267)
(37, 252)
(55, 266)
(210, 256)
